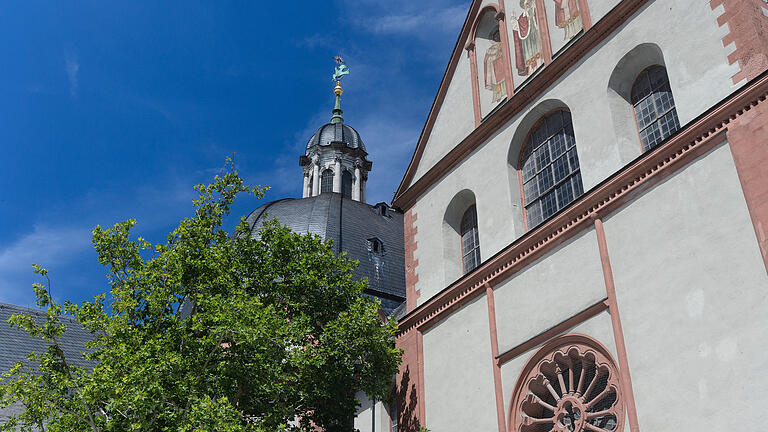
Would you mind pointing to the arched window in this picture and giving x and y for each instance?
(326, 183)
(550, 168)
(346, 184)
(470, 241)
(654, 107)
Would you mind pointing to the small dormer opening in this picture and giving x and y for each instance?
(382, 209)
(375, 246)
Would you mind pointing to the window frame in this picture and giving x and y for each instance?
(323, 180)
(476, 241)
(347, 192)
(640, 74)
(551, 189)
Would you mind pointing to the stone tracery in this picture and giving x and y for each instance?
(570, 385)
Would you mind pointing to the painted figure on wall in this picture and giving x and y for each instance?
(527, 38)
(494, 69)
(568, 17)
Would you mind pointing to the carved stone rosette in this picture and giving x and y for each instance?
(570, 385)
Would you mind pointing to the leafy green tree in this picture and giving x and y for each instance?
(208, 332)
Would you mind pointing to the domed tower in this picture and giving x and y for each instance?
(335, 159)
(335, 168)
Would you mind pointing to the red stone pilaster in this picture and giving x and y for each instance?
(409, 392)
(748, 138)
(411, 263)
(747, 22)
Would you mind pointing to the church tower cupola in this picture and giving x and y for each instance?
(335, 160)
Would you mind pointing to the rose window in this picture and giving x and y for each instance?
(570, 385)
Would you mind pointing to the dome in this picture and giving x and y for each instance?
(369, 234)
(338, 132)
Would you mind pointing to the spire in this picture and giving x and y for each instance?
(337, 118)
(339, 73)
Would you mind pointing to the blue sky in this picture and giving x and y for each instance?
(114, 110)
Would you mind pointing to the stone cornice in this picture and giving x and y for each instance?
(406, 196)
(677, 151)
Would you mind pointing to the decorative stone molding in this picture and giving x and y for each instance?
(747, 22)
(411, 263)
(409, 190)
(690, 142)
(571, 384)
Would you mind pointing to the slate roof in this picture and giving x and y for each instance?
(15, 344)
(350, 224)
(338, 132)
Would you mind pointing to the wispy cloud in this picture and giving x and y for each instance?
(45, 245)
(422, 22)
(72, 67)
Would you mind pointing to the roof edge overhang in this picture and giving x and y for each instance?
(439, 98)
(676, 152)
(407, 193)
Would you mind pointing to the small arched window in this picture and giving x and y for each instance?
(326, 183)
(550, 168)
(654, 107)
(346, 184)
(470, 240)
(375, 246)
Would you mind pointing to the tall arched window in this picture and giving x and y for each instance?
(346, 184)
(654, 107)
(470, 240)
(550, 168)
(326, 183)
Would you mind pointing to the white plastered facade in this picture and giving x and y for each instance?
(583, 89)
(691, 287)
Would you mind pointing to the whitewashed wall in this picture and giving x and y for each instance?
(699, 75)
(693, 294)
(458, 374)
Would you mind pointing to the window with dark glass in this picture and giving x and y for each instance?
(654, 107)
(550, 168)
(346, 184)
(375, 245)
(326, 182)
(470, 241)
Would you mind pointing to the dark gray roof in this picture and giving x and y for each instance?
(15, 344)
(338, 132)
(351, 225)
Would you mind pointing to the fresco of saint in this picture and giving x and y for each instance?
(527, 39)
(494, 70)
(567, 17)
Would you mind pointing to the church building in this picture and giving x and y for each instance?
(335, 169)
(586, 218)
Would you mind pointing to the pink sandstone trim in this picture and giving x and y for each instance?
(543, 337)
(748, 30)
(497, 384)
(690, 142)
(408, 190)
(411, 263)
(748, 138)
(618, 333)
(584, 344)
(470, 47)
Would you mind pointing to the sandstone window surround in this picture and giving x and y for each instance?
(570, 384)
(551, 176)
